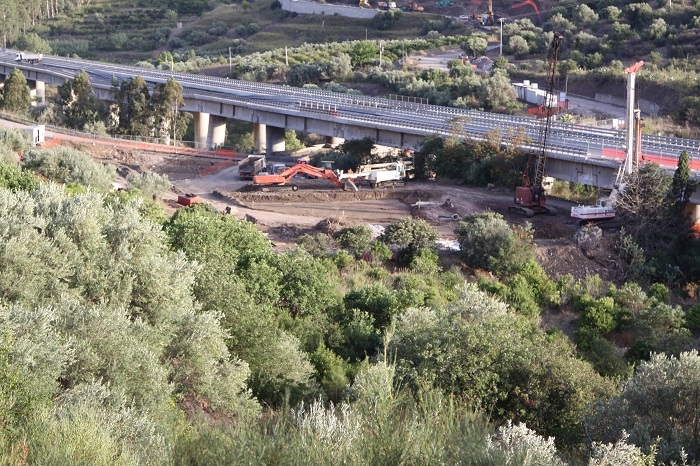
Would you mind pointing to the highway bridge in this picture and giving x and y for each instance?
(588, 155)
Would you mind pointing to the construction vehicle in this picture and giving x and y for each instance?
(392, 174)
(604, 208)
(279, 181)
(29, 57)
(251, 166)
(530, 198)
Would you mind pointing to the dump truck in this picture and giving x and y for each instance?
(251, 166)
(29, 57)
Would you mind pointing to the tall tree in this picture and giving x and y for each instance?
(132, 99)
(682, 187)
(15, 93)
(166, 102)
(77, 102)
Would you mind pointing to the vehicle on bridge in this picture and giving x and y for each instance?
(29, 57)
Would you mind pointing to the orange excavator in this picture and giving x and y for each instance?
(279, 181)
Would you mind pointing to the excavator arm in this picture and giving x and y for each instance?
(289, 173)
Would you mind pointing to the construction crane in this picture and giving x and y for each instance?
(604, 208)
(530, 197)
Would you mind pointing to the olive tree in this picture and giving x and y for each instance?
(659, 402)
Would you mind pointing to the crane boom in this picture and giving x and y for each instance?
(552, 60)
(530, 197)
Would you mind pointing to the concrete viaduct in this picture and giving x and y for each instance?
(588, 155)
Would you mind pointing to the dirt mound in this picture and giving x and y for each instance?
(560, 257)
(325, 195)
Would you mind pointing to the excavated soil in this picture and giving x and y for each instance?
(284, 216)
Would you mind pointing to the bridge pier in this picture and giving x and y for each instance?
(201, 130)
(332, 141)
(217, 132)
(692, 210)
(275, 139)
(259, 138)
(37, 90)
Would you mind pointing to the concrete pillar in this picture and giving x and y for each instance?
(37, 91)
(217, 132)
(332, 141)
(259, 138)
(275, 139)
(201, 130)
(693, 212)
(40, 91)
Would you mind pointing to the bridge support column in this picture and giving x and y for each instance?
(201, 130)
(693, 211)
(332, 141)
(259, 138)
(217, 132)
(37, 90)
(275, 139)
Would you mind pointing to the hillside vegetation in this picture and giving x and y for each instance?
(132, 338)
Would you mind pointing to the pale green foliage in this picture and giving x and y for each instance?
(620, 453)
(201, 366)
(488, 242)
(374, 386)
(286, 371)
(522, 446)
(478, 350)
(328, 427)
(121, 303)
(66, 165)
(89, 424)
(659, 401)
(150, 184)
(291, 141)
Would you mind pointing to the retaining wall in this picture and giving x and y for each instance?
(646, 106)
(303, 7)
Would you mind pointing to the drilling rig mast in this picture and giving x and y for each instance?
(530, 197)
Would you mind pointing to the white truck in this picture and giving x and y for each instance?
(29, 57)
(379, 174)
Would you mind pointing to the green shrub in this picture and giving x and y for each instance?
(660, 292)
(318, 245)
(488, 242)
(424, 262)
(377, 300)
(380, 251)
(598, 314)
(692, 318)
(150, 184)
(71, 166)
(15, 178)
(342, 259)
(355, 239)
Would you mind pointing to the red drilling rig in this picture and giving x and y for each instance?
(530, 197)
